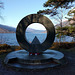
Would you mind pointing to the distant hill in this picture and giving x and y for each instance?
(7, 29)
(30, 30)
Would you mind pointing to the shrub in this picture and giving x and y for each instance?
(63, 45)
(4, 46)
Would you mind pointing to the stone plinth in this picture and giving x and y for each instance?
(21, 59)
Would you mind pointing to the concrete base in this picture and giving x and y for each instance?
(22, 59)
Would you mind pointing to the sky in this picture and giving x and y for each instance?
(15, 10)
(37, 25)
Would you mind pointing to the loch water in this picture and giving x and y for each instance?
(10, 38)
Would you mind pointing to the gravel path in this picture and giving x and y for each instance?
(68, 69)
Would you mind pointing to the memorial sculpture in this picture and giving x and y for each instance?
(35, 55)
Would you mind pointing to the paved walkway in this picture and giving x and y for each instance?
(68, 69)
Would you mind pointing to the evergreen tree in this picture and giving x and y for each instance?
(71, 13)
(53, 9)
(53, 5)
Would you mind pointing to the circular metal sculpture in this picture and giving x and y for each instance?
(34, 55)
(25, 22)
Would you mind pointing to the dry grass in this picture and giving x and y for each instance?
(63, 45)
(56, 46)
(4, 48)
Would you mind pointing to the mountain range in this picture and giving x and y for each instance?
(9, 29)
(30, 30)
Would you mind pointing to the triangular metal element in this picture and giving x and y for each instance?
(35, 41)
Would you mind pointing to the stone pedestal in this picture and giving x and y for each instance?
(22, 59)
